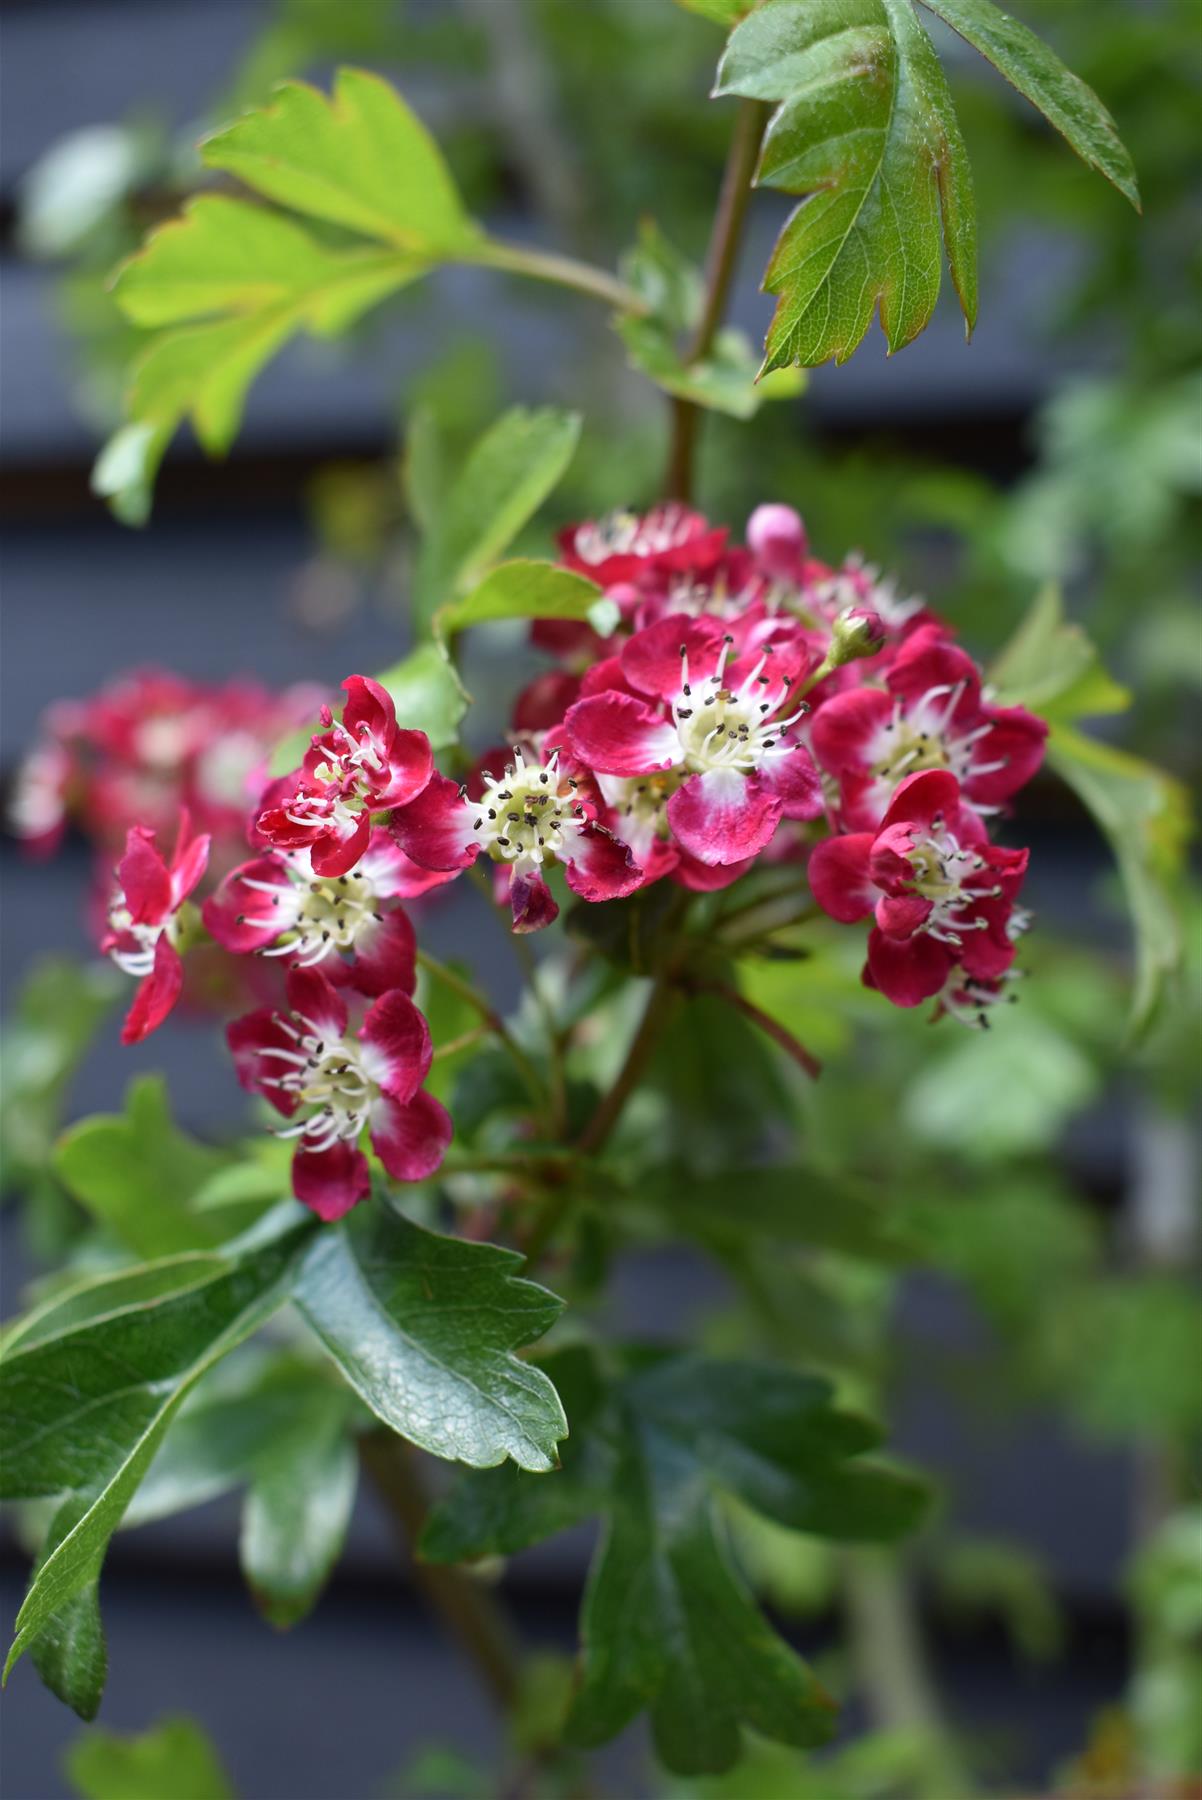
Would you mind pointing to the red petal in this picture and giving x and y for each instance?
(242, 918)
(410, 765)
(652, 661)
(531, 902)
(313, 999)
(410, 1140)
(619, 735)
(435, 829)
(335, 852)
(330, 1182)
(247, 1038)
(601, 867)
(908, 970)
(397, 1048)
(722, 816)
(844, 727)
(385, 955)
(839, 877)
(144, 880)
(796, 783)
(156, 995)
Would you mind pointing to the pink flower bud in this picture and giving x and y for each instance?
(777, 538)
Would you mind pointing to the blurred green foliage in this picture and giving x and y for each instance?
(959, 1145)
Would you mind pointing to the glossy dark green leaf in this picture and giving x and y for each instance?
(136, 1173)
(1039, 75)
(667, 1623)
(505, 478)
(425, 1328)
(85, 1411)
(98, 1295)
(173, 1759)
(296, 1514)
(866, 132)
(69, 1652)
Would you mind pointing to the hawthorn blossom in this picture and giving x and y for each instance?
(144, 921)
(532, 815)
(277, 905)
(333, 1084)
(940, 894)
(358, 765)
(633, 547)
(930, 714)
(709, 744)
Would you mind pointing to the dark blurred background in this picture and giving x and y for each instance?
(1061, 444)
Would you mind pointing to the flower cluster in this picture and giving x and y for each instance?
(753, 704)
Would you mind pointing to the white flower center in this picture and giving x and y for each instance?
(725, 728)
(946, 874)
(331, 911)
(529, 814)
(921, 737)
(326, 1077)
(626, 534)
(138, 961)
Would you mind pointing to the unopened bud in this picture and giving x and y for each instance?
(857, 632)
(776, 536)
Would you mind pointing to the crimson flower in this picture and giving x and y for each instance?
(930, 714)
(333, 1085)
(277, 905)
(143, 921)
(708, 742)
(627, 546)
(362, 764)
(941, 895)
(531, 816)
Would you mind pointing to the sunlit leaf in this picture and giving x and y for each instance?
(865, 130)
(505, 478)
(173, 1758)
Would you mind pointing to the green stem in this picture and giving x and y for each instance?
(597, 1132)
(564, 271)
(720, 263)
(492, 1019)
(557, 1077)
(466, 1607)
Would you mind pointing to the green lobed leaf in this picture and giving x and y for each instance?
(428, 694)
(525, 589)
(866, 132)
(85, 1411)
(136, 1173)
(1143, 812)
(1145, 816)
(125, 470)
(1037, 72)
(505, 478)
(297, 1511)
(666, 1622)
(360, 158)
(1052, 666)
(725, 378)
(173, 1758)
(722, 12)
(425, 1327)
(228, 256)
